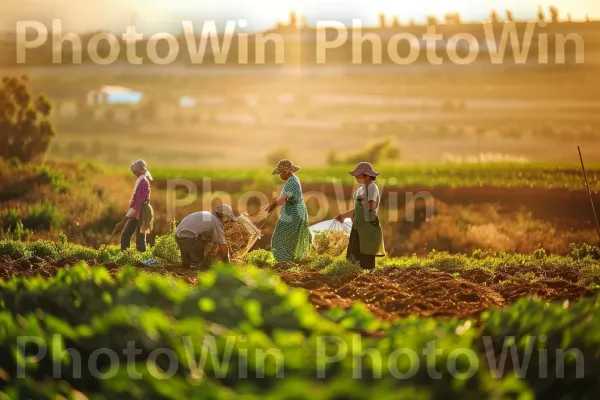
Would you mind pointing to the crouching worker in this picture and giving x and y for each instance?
(198, 234)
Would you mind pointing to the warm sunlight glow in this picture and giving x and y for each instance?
(265, 13)
(166, 15)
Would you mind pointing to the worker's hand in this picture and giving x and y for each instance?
(271, 207)
(340, 218)
(119, 226)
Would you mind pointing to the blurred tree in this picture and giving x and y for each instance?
(569, 17)
(412, 22)
(432, 20)
(277, 155)
(381, 20)
(293, 19)
(382, 151)
(304, 22)
(494, 17)
(554, 14)
(587, 18)
(448, 105)
(396, 22)
(453, 19)
(540, 14)
(510, 17)
(25, 128)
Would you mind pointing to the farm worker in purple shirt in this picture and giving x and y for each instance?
(140, 217)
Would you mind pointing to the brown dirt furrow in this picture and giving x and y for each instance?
(399, 293)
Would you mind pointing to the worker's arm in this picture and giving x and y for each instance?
(281, 200)
(372, 205)
(122, 223)
(224, 250)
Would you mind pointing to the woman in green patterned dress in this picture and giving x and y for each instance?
(291, 237)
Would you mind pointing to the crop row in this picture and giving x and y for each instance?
(585, 258)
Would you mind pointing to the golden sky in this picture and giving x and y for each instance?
(166, 15)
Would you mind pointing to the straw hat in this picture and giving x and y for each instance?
(364, 168)
(285, 166)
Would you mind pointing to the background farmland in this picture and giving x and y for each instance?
(494, 145)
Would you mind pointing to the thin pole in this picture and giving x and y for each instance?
(587, 186)
(109, 239)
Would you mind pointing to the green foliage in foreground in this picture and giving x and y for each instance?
(508, 175)
(233, 333)
(238, 330)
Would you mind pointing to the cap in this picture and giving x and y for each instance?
(226, 211)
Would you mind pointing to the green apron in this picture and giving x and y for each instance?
(368, 227)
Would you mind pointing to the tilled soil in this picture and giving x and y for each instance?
(388, 293)
(515, 282)
(396, 292)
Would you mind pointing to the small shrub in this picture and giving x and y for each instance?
(53, 178)
(165, 247)
(539, 254)
(444, 261)
(15, 190)
(260, 258)
(321, 261)
(83, 253)
(277, 155)
(13, 249)
(579, 253)
(381, 151)
(43, 248)
(62, 239)
(19, 233)
(90, 166)
(43, 216)
(10, 218)
(342, 267)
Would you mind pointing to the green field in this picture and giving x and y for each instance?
(501, 175)
(490, 287)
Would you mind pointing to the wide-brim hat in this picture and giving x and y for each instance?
(285, 166)
(364, 168)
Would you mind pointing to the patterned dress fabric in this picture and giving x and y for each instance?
(291, 238)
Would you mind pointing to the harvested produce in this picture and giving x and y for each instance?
(331, 242)
(237, 239)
